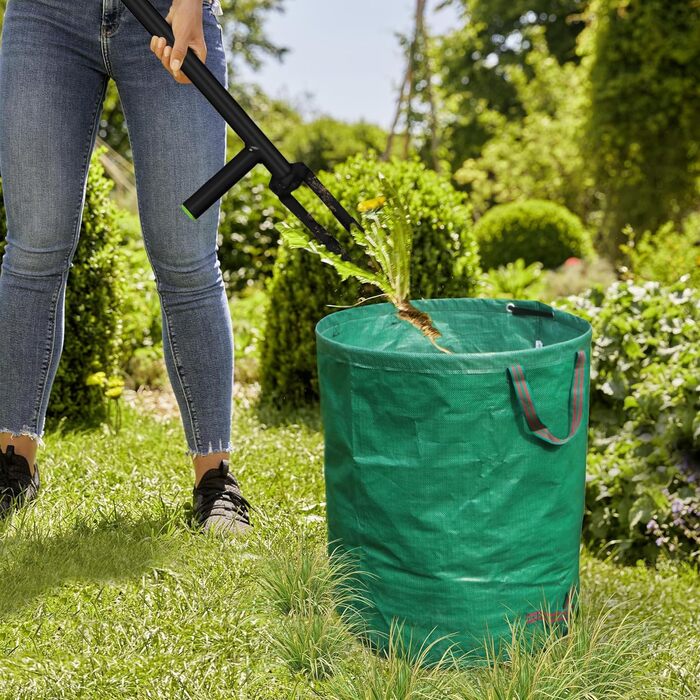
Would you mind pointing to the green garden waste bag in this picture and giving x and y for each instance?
(455, 482)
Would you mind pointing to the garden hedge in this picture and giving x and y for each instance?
(444, 264)
(535, 230)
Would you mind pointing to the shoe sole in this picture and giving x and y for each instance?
(225, 526)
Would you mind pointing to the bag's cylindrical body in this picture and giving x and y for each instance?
(457, 480)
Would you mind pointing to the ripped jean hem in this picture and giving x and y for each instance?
(222, 447)
(26, 430)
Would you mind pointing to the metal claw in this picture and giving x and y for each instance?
(330, 201)
(318, 231)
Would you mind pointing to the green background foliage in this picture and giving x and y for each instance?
(536, 155)
(247, 238)
(475, 60)
(668, 253)
(644, 466)
(643, 126)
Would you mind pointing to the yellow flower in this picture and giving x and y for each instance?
(96, 379)
(371, 204)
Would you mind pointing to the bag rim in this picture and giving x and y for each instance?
(443, 363)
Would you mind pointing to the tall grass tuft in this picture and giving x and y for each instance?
(601, 657)
(309, 589)
(298, 577)
(312, 645)
(401, 674)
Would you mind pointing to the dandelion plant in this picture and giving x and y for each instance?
(388, 241)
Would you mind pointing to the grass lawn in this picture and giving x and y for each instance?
(106, 593)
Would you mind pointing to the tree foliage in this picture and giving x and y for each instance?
(643, 126)
(495, 34)
(536, 155)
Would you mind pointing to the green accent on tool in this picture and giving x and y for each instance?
(187, 211)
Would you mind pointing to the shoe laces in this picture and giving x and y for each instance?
(218, 488)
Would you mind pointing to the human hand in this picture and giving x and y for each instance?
(185, 17)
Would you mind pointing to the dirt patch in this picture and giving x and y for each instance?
(162, 405)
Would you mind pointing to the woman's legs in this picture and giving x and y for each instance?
(178, 142)
(52, 85)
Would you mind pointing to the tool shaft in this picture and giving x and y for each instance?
(207, 83)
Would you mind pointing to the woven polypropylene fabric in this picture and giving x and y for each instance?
(461, 518)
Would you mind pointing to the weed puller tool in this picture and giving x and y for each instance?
(286, 176)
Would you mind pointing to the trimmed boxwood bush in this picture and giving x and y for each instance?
(643, 489)
(535, 230)
(444, 264)
(88, 379)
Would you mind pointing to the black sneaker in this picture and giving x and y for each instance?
(17, 485)
(217, 502)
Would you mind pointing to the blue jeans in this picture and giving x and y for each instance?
(55, 63)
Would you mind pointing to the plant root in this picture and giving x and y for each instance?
(421, 321)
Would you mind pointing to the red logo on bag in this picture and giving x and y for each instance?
(556, 616)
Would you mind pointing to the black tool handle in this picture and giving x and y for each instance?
(234, 171)
(205, 81)
(258, 147)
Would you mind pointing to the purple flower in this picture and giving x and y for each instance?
(676, 506)
(659, 541)
(652, 525)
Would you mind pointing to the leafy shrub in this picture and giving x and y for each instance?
(247, 236)
(667, 254)
(386, 234)
(88, 378)
(248, 314)
(643, 491)
(444, 263)
(576, 276)
(535, 230)
(249, 212)
(513, 281)
(326, 142)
